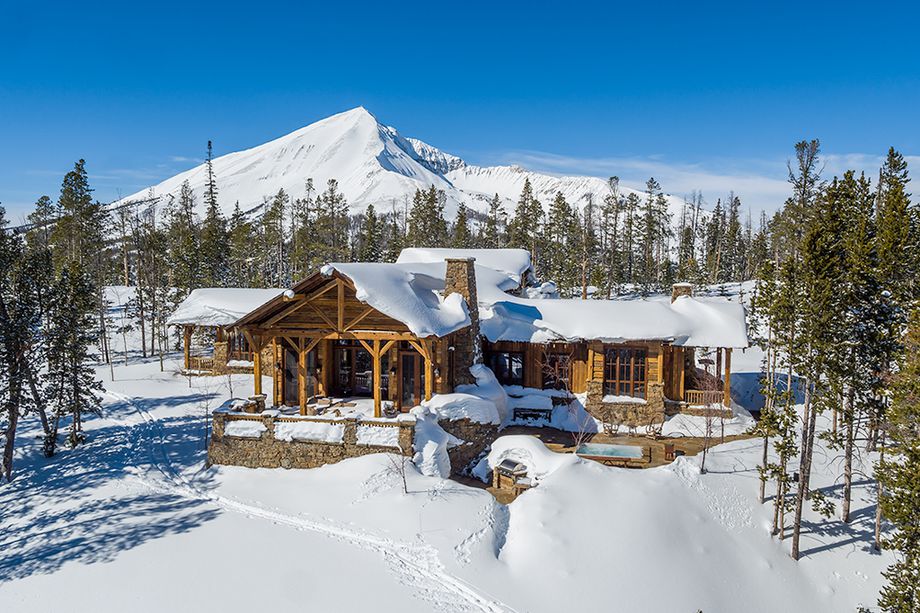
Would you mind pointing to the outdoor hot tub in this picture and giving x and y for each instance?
(608, 453)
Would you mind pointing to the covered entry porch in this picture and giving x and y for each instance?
(392, 368)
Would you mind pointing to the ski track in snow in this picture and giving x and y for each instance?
(415, 565)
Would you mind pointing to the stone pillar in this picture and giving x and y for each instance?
(350, 435)
(406, 434)
(681, 289)
(221, 356)
(460, 278)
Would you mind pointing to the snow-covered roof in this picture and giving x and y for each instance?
(413, 294)
(513, 262)
(219, 306)
(410, 293)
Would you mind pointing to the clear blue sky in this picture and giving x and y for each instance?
(701, 94)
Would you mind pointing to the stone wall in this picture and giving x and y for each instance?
(268, 452)
(630, 414)
(477, 438)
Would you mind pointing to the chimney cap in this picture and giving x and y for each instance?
(681, 289)
(462, 259)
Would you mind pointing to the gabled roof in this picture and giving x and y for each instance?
(219, 306)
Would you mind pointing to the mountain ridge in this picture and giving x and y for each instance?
(373, 164)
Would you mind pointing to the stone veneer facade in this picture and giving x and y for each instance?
(460, 278)
(631, 414)
(268, 452)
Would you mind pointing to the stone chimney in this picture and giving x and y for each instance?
(681, 289)
(460, 278)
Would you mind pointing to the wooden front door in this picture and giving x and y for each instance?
(290, 387)
(411, 379)
(354, 374)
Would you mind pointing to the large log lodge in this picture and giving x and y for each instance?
(401, 332)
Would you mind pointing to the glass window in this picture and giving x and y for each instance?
(624, 372)
(557, 368)
(508, 367)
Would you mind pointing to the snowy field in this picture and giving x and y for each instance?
(132, 521)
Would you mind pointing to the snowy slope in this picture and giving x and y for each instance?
(373, 165)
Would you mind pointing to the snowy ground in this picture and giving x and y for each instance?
(133, 521)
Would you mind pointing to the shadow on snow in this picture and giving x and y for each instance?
(83, 504)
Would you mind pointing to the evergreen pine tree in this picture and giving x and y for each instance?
(20, 338)
(370, 241)
(524, 228)
(493, 230)
(273, 252)
(461, 237)
(183, 246)
(240, 242)
(214, 249)
(609, 229)
(899, 474)
(896, 220)
(72, 388)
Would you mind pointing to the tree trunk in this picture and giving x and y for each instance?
(763, 463)
(37, 399)
(879, 492)
(849, 417)
(10, 436)
(808, 432)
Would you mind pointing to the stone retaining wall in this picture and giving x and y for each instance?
(268, 452)
(477, 438)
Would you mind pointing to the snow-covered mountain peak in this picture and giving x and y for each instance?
(373, 164)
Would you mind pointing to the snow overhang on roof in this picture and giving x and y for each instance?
(409, 293)
(219, 306)
(515, 263)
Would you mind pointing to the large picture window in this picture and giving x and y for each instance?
(624, 372)
(508, 367)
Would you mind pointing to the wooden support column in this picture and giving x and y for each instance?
(257, 369)
(187, 344)
(277, 399)
(429, 370)
(375, 353)
(302, 376)
(727, 387)
(661, 364)
(340, 303)
(681, 360)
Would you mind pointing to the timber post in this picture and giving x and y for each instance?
(302, 376)
(727, 386)
(429, 370)
(375, 354)
(187, 344)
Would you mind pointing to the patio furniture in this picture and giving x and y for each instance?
(669, 454)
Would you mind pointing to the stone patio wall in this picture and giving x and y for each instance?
(268, 452)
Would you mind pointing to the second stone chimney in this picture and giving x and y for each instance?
(460, 278)
(681, 289)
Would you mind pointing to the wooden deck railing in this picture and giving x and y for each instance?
(703, 398)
